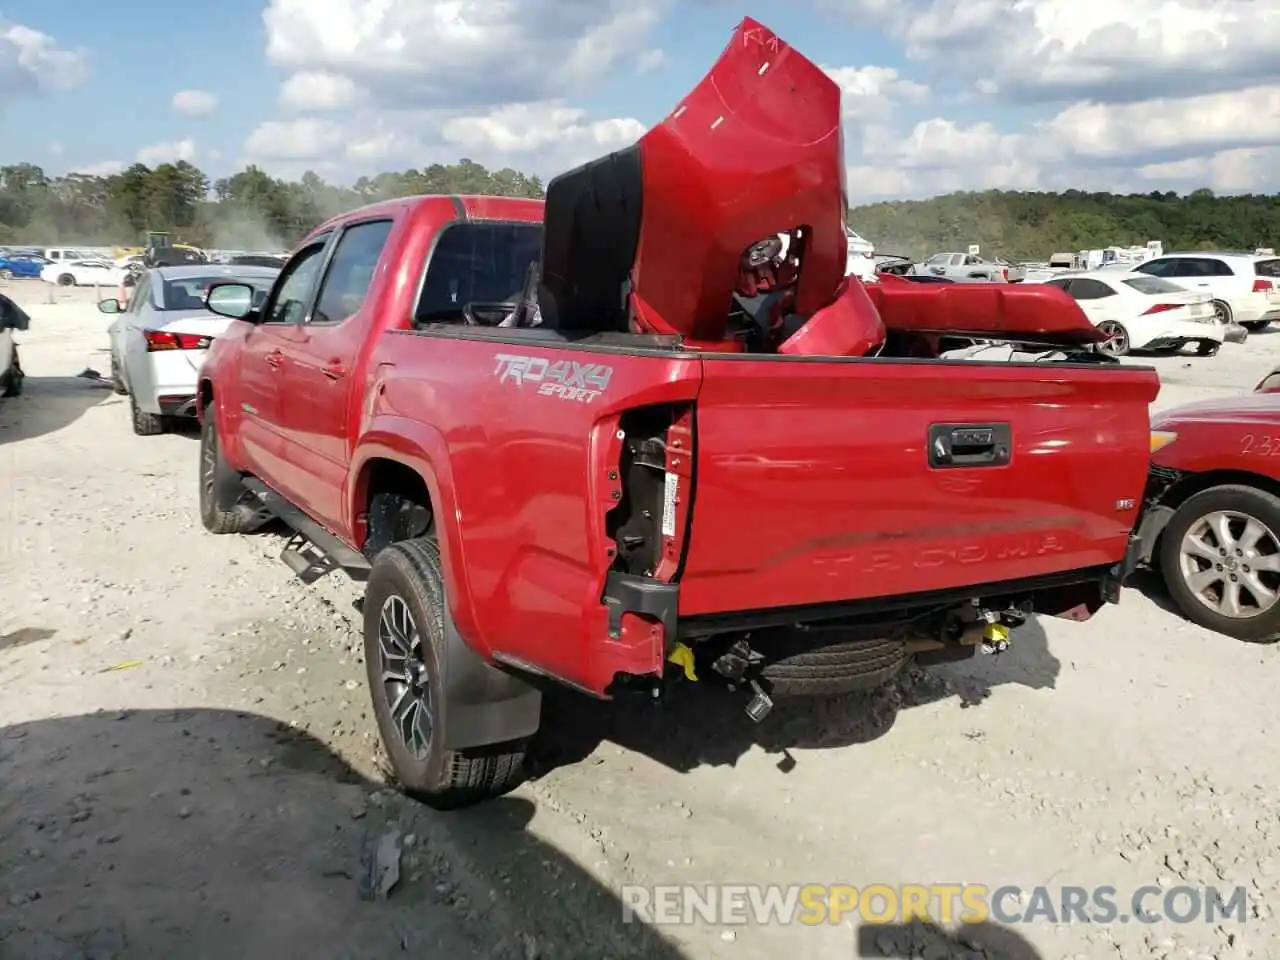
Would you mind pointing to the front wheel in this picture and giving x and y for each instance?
(6, 274)
(66, 280)
(1220, 558)
(220, 484)
(1116, 343)
(404, 651)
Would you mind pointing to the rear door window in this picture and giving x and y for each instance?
(476, 262)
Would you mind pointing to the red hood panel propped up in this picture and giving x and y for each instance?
(754, 150)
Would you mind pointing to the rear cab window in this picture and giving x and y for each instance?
(1152, 285)
(476, 262)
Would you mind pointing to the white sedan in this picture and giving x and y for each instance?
(160, 339)
(1138, 312)
(83, 273)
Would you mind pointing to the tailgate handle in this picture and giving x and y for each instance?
(969, 444)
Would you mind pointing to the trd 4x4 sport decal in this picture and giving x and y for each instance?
(566, 379)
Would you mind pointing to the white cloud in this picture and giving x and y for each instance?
(1068, 49)
(1241, 118)
(524, 128)
(168, 152)
(651, 60)
(32, 62)
(303, 139)
(103, 168)
(319, 90)
(872, 92)
(194, 103)
(432, 53)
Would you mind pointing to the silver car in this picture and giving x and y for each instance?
(160, 338)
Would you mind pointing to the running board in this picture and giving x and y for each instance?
(312, 551)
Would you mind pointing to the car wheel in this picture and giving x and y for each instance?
(6, 274)
(117, 382)
(1208, 348)
(221, 485)
(1220, 558)
(1116, 343)
(145, 424)
(1256, 325)
(13, 382)
(404, 647)
(66, 280)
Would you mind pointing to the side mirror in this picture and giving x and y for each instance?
(234, 300)
(110, 305)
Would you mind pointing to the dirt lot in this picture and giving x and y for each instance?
(188, 765)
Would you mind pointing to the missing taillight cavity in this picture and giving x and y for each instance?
(655, 470)
(165, 340)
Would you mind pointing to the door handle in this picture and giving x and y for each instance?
(274, 359)
(969, 445)
(334, 370)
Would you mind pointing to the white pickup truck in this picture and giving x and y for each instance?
(967, 266)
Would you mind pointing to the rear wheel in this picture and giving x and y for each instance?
(145, 424)
(66, 280)
(1117, 342)
(1220, 557)
(404, 650)
(6, 274)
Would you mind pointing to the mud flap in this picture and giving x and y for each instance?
(483, 704)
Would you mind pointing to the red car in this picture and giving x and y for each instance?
(1212, 521)
(633, 433)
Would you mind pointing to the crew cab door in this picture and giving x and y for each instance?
(263, 367)
(323, 354)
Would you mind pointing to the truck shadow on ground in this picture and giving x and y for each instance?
(705, 724)
(977, 941)
(212, 834)
(47, 404)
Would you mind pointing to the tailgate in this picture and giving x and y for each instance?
(815, 483)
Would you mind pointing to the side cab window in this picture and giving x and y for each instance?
(295, 288)
(1158, 268)
(350, 271)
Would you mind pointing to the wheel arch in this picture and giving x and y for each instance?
(1187, 485)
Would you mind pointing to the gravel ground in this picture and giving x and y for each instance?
(189, 765)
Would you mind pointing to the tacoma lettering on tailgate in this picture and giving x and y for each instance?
(566, 379)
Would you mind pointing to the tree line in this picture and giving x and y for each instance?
(253, 210)
(250, 210)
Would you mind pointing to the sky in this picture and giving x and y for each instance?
(938, 95)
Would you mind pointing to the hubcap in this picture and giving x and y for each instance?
(1220, 313)
(404, 676)
(1230, 562)
(1116, 341)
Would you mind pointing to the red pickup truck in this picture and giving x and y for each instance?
(650, 427)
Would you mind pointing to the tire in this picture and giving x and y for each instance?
(145, 424)
(117, 382)
(1239, 504)
(221, 486)
(835, 668)
(406, 578)
(1117, 343)
(1208, 348)
(66, 280)
(14, 381)
(6, 274)
(1255, 325)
